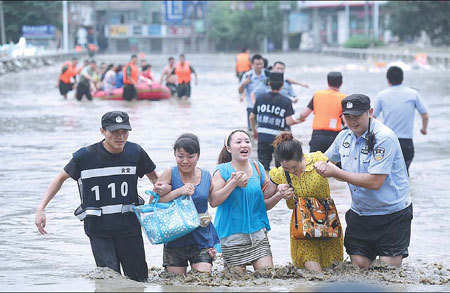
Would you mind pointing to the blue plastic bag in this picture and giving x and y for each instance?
(164, 222)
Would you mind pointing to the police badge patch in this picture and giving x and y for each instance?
(345, 144)
(379, 153)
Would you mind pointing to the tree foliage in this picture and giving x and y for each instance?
(18, 13)
(234, 29)
(409, 18)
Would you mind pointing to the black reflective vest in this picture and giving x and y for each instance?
(105, 179)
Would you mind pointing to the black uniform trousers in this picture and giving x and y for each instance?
(127, 251)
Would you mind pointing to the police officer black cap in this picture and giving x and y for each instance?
(276, 77)
(355, 104)
(116, 120)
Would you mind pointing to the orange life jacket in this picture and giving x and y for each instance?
(68, 70)
(327, 110)
(183, 72)
(130, 74)
(243, 62)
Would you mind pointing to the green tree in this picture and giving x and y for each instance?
(234, 29)
(18, 13)
(409, 18)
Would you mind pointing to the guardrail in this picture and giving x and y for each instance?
(432, 58)
(15, 64)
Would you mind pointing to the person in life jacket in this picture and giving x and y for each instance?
(67, 77)
(130, 79)
(243, 63)
(107, 173)
(171, 79)
(327, 108)
(146, 74)
(183, 71)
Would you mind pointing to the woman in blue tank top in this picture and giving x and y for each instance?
(186, 178)
(243, 193)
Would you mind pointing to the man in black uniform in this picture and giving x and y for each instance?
(273, 112)
(107, 174)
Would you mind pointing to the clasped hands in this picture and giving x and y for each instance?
(285, 191)
(326, 169)
(240, 177)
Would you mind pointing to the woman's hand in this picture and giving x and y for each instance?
(285, 191)
(187, 189)
(241, 178)
(326, 169)
(39, 220)
(162, 188)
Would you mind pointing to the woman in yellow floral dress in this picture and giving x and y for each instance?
(312, 254)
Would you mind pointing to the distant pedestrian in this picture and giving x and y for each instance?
(250, 81)
(397, 104)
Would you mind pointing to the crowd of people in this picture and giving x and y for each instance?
(90, 78)
(349, 142)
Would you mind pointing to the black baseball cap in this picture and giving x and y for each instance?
(355, 104)
(276, 77)
(116, 120)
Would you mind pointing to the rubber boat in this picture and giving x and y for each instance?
(145, 91)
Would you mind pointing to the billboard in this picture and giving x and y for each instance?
(299, 22)
(118, 31)
(178, 12)
(38, 31)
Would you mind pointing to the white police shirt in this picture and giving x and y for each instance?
(386, 158)
(255, 82)
(397, 105)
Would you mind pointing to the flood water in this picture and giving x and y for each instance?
(40, 131)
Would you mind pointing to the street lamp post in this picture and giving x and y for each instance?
(2, 24)
(65, 27)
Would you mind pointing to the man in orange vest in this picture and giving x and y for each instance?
(327, 108)
(69, 71)
(183, 71)
(130, 79)
(243, 63)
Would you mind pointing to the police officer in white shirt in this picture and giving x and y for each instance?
(379, 219)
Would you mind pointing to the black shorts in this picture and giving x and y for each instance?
(83, 89)
(64, 88)
(129, 92)
(172, 87)
(407, 146)
(184, 90)
(384, 235)
(128, 251)
(321, 140)
(180, 256)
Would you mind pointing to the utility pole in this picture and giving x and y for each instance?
(285, 6)
(347, 19)
(366, 18)
(376, 14)
(2, 24)
(65, 27)
(265, 33)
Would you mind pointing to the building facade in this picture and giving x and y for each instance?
(151, 26)
(332, 23)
